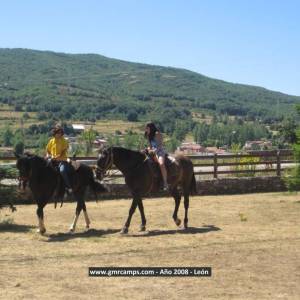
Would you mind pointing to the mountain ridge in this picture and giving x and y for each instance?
(33, 79)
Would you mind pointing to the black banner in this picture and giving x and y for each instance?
(150, 272)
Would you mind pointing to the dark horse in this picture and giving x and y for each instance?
(142, 175)
(44, 179)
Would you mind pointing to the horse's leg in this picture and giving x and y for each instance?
(131, 212)
(77, 213)
(186, 208)
(40, 214)
(141, 208)
(79, 207)
(176, 195)
(86, 216)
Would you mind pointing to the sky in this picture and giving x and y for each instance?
(254, 42)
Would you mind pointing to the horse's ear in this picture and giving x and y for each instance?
(101, 149)
(28, 154)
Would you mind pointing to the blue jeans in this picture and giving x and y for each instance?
(65, 171)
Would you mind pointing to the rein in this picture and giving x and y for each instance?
(139, 164)
(22, 182)
(101, 172)
(108, 164)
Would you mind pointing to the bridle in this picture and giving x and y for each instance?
(23, 179)
(22, 182)
(108, 163)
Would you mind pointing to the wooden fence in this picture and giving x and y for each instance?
(267, 161)
(253, 162)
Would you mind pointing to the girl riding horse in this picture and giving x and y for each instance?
(155, 140)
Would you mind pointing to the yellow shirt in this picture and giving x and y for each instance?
(57, 148)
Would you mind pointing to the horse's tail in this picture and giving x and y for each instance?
(193, 187)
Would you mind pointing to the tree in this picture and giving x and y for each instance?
(172, 144)
(131, 141)
(26, 116)
(132, 116)
(16, 139)
(19, 148)
(7, 137)
(43, 141)
(87, 138)
(200, 132)
(181, 129)
(18, 107)
(288, 131)
(113, 140)
(293, 180)
(7, 193)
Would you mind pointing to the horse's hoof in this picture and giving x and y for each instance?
(142, 228)
(178, 222)
(186, 226)
(124, 230)
(72, 230)
(41, 231)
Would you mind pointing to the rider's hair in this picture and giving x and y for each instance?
(57, 129)
(153, 130)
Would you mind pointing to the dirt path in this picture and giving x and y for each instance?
(252, 243)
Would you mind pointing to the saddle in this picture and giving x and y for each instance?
(60, 188)
(156, 172)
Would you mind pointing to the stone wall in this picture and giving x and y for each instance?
(242, 185)
(220, 186)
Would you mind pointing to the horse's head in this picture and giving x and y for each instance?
(27, 165)
(104, 161)
(24, 166)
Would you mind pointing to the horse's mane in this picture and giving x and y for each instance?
(133, 154)
(40, 161)
(181, 157)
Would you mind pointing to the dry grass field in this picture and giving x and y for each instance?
(11, 118)
(110, 126)
(252, 243)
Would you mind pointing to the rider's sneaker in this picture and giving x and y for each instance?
(166, 188)
(69, 191)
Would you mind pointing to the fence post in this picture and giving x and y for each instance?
(215, 165)
(278, 164)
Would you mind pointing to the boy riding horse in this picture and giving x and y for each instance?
(57, 150)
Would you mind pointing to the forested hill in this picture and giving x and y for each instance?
(89, 86)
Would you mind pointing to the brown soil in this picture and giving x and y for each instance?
(252, 243)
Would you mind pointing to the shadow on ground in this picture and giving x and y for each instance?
(61, 237)
(190, 230)
(11, 227)
(65, 236)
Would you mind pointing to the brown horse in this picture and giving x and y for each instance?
(143, 177)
